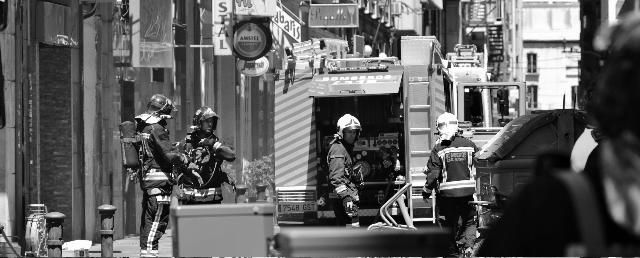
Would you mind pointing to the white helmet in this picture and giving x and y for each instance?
(447, 125)
(367, 51)
(348, 121)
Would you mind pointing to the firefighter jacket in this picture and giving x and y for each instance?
(342, 176)
(451, 164)
(206, 154)
(157, 154)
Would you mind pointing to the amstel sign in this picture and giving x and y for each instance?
(251, 40)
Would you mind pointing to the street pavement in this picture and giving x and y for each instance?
(129, 247)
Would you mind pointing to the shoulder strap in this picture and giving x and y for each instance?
(589, 221)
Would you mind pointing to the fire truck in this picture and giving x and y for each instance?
(397, 104)
(483, 106)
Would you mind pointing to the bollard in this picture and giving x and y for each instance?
(261, 191)
(54, 233)
(106, 218)
(241, 191)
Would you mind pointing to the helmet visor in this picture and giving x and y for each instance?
(351, 130)
(209, 124)
(443, 125)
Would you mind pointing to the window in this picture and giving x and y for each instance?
(539, 16)
(490, 106)
(532, 63)
(567, 19)
(528, 19)
(559, 19)
(532, 96)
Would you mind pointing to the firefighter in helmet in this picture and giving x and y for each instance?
(157, 156)
(202, 181)
(450, 171)
(345, 179)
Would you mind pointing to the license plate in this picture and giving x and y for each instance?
(297, 207)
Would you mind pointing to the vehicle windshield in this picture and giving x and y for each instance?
(490, 106)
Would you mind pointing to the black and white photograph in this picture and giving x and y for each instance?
(319, 128)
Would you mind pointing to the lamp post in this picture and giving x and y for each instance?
(303, 14)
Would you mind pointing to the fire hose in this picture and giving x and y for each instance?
(8, 242)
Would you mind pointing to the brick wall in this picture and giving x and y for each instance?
(55, 131)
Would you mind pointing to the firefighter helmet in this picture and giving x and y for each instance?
(203, 114)
(161, 105)
(348, 121)
(447, 125)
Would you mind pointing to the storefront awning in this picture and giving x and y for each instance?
(355, 84)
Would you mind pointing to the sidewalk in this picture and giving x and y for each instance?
(129, 247)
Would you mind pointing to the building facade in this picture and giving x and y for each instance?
(551, 48)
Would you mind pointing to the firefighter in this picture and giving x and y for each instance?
(202, 181)
(451, 166)
(158, 156)
(345, 179)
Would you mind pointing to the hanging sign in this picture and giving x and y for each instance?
(286, 23)
(221, 13)
(253, 68)
(251, 40)
(151, 33)
(333, 16)
(265, 8)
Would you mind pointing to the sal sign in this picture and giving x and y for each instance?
(221, 12)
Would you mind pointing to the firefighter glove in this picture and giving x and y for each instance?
(184, 159)
(432, 179)
(349, 203)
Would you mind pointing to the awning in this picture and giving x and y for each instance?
(355, 84)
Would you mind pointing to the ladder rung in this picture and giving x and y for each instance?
(423, 219)
(418, 130)
(418, 79)
(420, 153)
(419, 106)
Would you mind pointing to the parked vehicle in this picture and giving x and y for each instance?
(397, 104)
